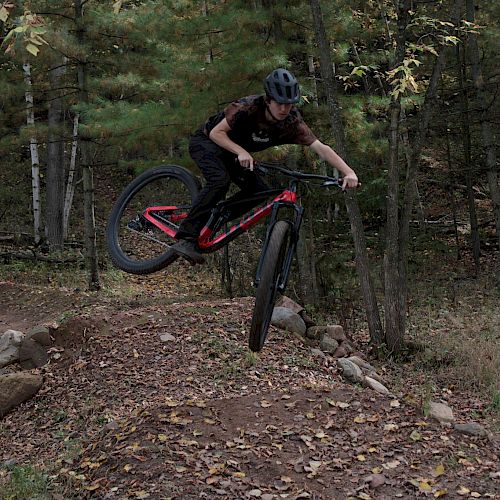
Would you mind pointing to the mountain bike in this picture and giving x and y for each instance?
(145, 218)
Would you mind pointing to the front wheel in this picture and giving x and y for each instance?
(271, 275)
(137, 245)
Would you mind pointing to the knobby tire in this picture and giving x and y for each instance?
(267, 289)
(141, 264)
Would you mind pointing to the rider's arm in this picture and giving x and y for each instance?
(219, 135)
(328, 154)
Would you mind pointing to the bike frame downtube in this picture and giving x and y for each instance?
(206, 243)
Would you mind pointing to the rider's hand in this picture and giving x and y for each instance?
(246, 160)
(350, 181)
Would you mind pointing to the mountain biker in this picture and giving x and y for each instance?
(222, 149)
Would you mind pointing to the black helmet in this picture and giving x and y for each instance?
(282, 86)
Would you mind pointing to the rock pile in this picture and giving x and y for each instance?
(332, 341)
(28, 350)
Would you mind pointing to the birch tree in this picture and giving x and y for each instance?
(35, 162)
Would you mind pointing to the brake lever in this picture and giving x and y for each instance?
(331, 183)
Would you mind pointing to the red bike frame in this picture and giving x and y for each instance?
(205, 242)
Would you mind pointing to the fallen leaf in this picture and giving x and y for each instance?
(391, 465)
(395, 403)
(424, 486)
(440, 493)
(438, 471)
(463, 491)
(171, 403)
(342, 405)
(390, 427)
(361, 458)
(359, 420)
(416, 436)
(265, 404)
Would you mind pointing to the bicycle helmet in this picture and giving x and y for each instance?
(282, 86)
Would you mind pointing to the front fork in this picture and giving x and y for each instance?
(294, 238)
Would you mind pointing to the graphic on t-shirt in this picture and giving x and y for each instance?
(260, 136)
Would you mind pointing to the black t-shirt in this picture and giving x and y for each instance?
(251, 130)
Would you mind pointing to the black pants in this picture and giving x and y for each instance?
(220, 168)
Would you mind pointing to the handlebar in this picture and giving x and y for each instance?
(264, 167)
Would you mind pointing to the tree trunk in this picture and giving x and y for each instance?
(486, 132)
(70, 183)
(451, 190)
(87, 174)
(464, 112)
(423, 126)
(362, 263)
(35, 162)
(55, 163)
(394, 330)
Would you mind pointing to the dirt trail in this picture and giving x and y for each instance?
(165, 401)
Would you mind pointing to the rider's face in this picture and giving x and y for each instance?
(279, 111)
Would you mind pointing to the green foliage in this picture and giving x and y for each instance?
(25, 483)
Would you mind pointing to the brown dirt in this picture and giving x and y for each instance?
(123, 414)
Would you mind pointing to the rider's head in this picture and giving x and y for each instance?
(282, 87)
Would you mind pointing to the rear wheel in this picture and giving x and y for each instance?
(136, 245)
(271, 274)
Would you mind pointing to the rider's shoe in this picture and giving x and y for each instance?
(189, 250)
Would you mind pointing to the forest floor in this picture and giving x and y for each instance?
(154, 394)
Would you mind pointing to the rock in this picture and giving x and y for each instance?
(375, 376)
(112, 426)
(10, 342)
(376, 386)
(441, 412)
(347, 346)
(166, 337)
(287, 302)
(41, 335)
(307, 320)
(318, 352)
(471, 428)
(350, 371)
(288, 320)
(315, 332)
(328, 344)
(340, 352)
(375, 480)
(336, 332)
(32, 355)
(365, 366)
(359, 354)
(16, 388)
